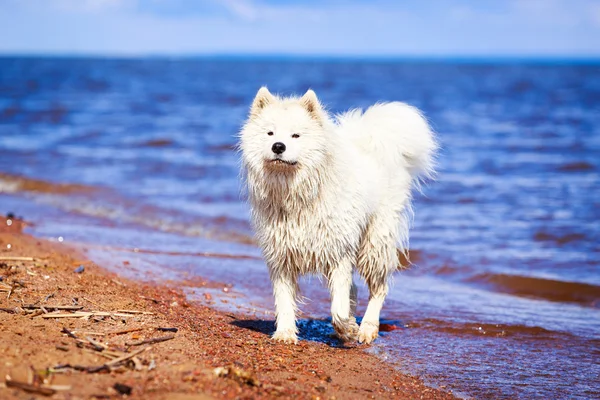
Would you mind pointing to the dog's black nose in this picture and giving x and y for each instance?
(278, 148)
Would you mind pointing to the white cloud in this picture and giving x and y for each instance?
(245, 9)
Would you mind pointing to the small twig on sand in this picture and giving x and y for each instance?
(49, 296)
(93, 302)
(126, 357)
(73, 315)
(126, 331)
(152, 340)
(99, 353)
(150, 299)
(106, 366)
(15, 258)
(69, 333)
(45, 391)
(136, 312)
(97, 345)
(114, 353)
(167, 329)
(86, 314)
(8, 310)
(33, 307)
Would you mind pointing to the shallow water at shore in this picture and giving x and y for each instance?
(134, 161)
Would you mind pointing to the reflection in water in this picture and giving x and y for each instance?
(134, 160)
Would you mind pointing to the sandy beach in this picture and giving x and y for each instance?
(72, 330)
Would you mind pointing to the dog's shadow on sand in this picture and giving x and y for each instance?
(315, 330)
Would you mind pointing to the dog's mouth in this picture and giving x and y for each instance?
(279, 161)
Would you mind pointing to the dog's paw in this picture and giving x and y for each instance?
(346, 329)
(285, 336)
(368, 332)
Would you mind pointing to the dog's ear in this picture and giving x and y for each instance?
(310, 102)
(262, 99)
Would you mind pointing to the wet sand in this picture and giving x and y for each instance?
(211, 354)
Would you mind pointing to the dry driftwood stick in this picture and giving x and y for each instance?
(97, 345)
(106, 366)
(150, 299)
(35, 313)
(86, 314)
(15, 258)
(78, 368)
(126, 331)
(59, 387)
(99, 353)
(136, 312)
(152, 340)
(93, 302)
(30, 388)
(49, 296)
(126, 357)
(33, 307)
(114, 353)
(69, 333)
(167, 329)
(73, 315)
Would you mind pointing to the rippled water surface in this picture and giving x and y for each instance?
(134, 161)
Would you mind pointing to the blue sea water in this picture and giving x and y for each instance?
(134, 159)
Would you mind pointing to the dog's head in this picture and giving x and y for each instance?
(284, 135)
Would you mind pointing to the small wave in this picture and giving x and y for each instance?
(541, 288)
(15, 184)
(109, 205)
(576, 167)
(559, 239)
(159, 142)
(205, 254)
(483, 329)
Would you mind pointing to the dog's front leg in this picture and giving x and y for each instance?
(285, 289)
(343, 301)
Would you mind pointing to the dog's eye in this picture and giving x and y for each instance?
(270, 133)
(295, 136)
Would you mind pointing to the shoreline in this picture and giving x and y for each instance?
(107, 342)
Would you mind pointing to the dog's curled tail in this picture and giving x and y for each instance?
(398, 134)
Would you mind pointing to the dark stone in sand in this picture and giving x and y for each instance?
(122, 389)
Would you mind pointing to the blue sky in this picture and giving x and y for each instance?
(522, 28)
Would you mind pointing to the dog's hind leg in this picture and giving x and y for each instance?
(285, 289)
(377, 259)
(353, 299)
(343, 301)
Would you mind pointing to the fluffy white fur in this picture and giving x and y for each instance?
(337, 198)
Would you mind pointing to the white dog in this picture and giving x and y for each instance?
(328, 196)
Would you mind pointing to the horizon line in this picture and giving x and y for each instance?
(578, 58)
(241, 56)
